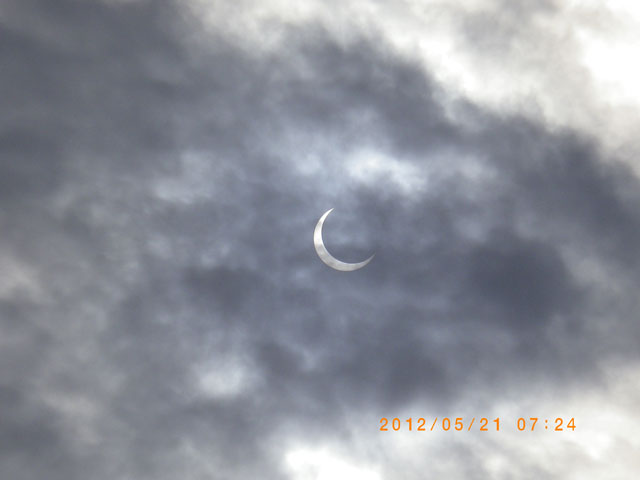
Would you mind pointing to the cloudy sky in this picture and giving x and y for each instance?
(163, 313)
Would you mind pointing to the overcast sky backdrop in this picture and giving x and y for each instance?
(163, 313)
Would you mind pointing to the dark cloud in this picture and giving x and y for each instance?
(155, 187)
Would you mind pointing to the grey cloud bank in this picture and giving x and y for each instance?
(164, 314)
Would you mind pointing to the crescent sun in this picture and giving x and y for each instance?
(324, 254)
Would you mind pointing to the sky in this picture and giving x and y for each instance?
(163, 312)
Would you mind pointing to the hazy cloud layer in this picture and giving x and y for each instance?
(163, 313)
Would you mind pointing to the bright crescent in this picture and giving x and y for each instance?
(324, 254)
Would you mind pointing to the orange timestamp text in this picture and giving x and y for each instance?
(482, 424)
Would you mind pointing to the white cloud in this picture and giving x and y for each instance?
(324, 464)
(224, 375)
(371, 166)
(569, 64)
